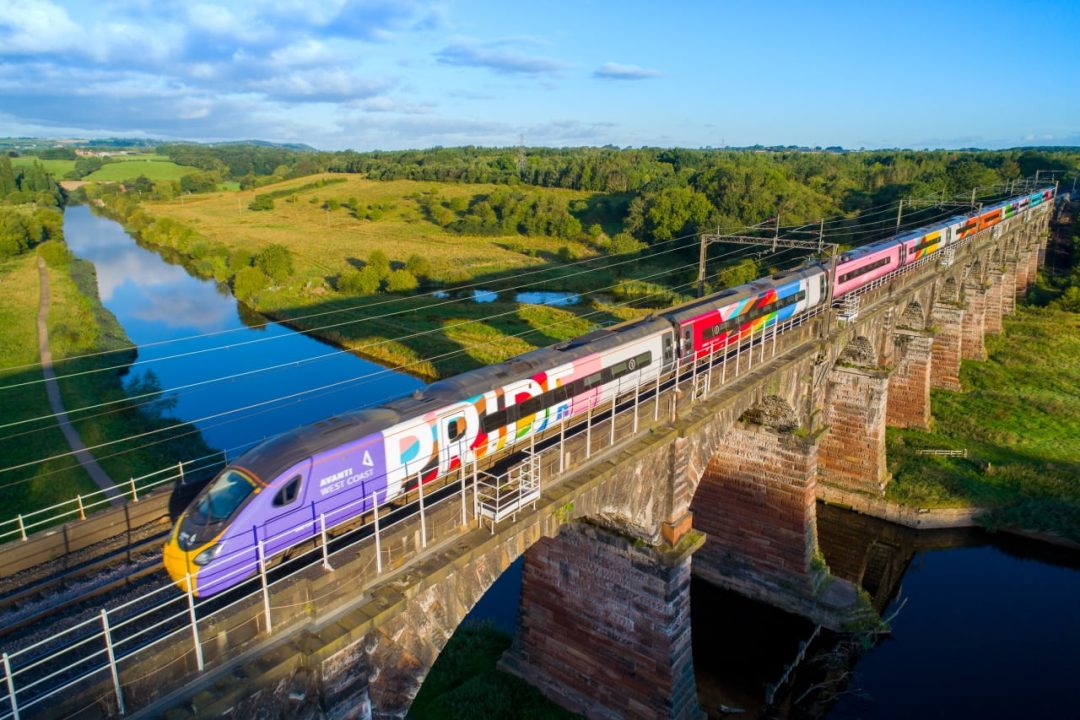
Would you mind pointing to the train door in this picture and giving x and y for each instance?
(288, 517)
(453, 440)
(687, 349)
(669, 352)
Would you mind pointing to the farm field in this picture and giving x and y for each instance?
(329, 241)
(56, 168)
(427, 336)
(131, 166)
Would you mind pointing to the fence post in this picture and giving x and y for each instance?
(588, 433)
(475, 492)
(112, 662)
(325, 551)
(82, 510)
(265, 588)
(378, 542)
(656, 395)
(423, 519)
(11, 687)
(180, 468)
(611, 435)
(562, 443)
(637, 395)
(194, 624)
(464, 505)
(22, 527)
(134, 495)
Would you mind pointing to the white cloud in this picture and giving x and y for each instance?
(618, 71)
(34, 27)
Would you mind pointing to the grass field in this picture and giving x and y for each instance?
(130, 167)
(326, 242)
(31, 488)
(78, 325)
(445, 336)
(57, 168)
(1019, 419)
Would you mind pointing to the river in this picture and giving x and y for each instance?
(190, 333)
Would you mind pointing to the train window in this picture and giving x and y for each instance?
(865, 269)
(928, 241)
(592, 380)
(288, 493)
(530, 407)
(455, 428)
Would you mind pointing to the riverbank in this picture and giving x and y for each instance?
(91, 354)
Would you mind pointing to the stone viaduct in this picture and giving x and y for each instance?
(720, 479)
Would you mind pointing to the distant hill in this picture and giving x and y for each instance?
(300, 147)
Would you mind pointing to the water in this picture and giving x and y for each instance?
(532, 297)
(159, 302)
(985, 626)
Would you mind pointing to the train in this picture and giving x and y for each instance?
(285, 491)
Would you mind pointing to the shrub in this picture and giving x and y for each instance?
(401, 281)
(249, 281)
(358, 282)
(261, 202)
(378, 261)
(275, 261)
(419, 266)
(55, 253)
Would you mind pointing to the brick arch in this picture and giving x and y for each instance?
(773, 412)
(914, 315)
(950, 290)
(859, 351)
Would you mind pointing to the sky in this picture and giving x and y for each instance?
(395, 74)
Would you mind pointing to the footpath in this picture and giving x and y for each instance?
(52, 389)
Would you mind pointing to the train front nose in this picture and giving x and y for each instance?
(179, 564)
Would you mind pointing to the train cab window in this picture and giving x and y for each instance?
(455, 428)
(288, 494)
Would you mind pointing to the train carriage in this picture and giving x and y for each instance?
(865, 264)
(281, 492)
(721, 320)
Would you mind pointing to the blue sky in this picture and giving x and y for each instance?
(390, 74)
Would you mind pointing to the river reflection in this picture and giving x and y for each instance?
(190, 331)
(981, 626)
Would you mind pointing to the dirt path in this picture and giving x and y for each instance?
(52, 388)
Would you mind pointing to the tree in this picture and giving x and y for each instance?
(419, 266)
(378, 261)
(669, 213)
(261, 202)
(249, 281)
(359, 282)
(275, 261)
(7, 177)
(401, 281)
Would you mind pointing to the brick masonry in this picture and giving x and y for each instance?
(605, 626)
(992, 318)
(908, 402)
(1023, 265)
(974, 347)
(853, 452)
(1008, 285)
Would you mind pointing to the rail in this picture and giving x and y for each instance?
(186, 634)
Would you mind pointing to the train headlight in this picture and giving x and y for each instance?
(207, 555)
